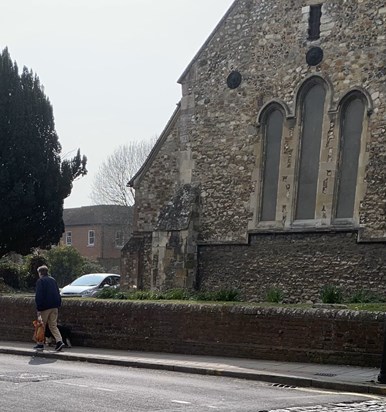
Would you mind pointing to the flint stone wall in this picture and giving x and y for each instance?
(215, 141)
(298, 264)
(314, 335)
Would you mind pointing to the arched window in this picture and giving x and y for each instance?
(272, 144)
(351, 125)
(310, 142)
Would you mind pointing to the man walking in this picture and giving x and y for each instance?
(48, 300)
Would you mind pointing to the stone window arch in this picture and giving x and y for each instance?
(312, 101)
(272, 120)
(351, 126)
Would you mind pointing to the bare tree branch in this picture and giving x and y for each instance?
(109, 185)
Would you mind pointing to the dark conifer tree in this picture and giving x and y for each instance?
(34, 180)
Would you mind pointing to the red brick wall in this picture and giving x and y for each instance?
(104, 247)
(109, 249)
(314, 335)
(80, 240)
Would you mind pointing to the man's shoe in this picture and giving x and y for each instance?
(39, 347)
(59, 346)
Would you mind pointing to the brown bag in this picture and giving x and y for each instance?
(38, 335)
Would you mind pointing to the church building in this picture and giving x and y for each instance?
(271, 172)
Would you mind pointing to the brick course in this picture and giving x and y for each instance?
(313, 335)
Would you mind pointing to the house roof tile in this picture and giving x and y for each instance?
(99, 214)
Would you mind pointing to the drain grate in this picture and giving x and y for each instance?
(22, 377)
(325, 374)
(282, 385)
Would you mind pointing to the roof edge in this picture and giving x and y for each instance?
(211, 35)
(133, 182)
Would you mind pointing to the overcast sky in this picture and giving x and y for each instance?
(109, 67)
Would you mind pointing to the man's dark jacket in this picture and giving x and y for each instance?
(47, 294)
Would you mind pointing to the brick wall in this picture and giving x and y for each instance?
(80, 240)
(104, 246)
(314, 335)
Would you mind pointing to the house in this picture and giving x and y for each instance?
(98, 232)
(270, 174)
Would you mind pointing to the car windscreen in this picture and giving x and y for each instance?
(92, 280)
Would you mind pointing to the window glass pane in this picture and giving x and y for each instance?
(119, 238)
(91, 237)
(351, 131)
(274, 130)
(313, 110)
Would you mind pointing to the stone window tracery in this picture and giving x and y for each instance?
(321, 185)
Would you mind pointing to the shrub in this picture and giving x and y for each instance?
(172, 294)
(120, 295)
(12, 274)
(115, 269)
(331, 294)
(224, 295)
(227, 295)
(91, 266)
(274, 295)
(109, 293)
(143, 295)
(176, 294)
(65, 264)
(31, 264)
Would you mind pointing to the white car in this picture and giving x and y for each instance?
(90, 285)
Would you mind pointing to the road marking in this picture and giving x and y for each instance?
(106, 390)
(73, 384)
(182, 402)
(326, 392)
(87, 386)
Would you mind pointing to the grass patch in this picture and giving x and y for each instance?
(274, 295)
(226, 295)
(365, 296)
(154, 297)
(331, 294)
(371, 307)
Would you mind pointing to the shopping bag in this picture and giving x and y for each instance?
(38, 335)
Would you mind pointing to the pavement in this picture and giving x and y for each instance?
(341, 378)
